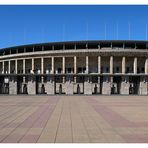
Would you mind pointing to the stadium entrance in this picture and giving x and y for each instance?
(4, 85)
(116, 86)
(134, 83)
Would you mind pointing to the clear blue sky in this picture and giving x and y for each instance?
(34, 24)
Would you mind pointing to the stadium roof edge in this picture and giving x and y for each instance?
(77, 41)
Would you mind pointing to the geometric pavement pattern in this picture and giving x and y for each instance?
(73, 119)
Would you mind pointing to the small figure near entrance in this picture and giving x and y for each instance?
(113, 89)
(95, 89)
(43, 89)
(25, 89)
(78, 89)
(60, 89)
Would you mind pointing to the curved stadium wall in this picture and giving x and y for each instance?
(77, 67)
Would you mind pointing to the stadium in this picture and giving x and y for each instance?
(102, 67)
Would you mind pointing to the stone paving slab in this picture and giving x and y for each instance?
(73, 119)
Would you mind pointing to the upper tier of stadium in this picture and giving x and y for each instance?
(76, 45)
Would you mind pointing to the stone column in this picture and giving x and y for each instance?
(87, 85)
(111, 64)
(12, 85)
(3, 67)
(135, 65)
(87, 63)
(146, 66)
(75, 68)
(33, 65)
(24, 79)
(87, 79)
(50, 87)
(75, 64)
(24, 66)
(42, 79)
(9, 67)
(106, 86)
(31, 85)
(63, 65)
(125, 85)
(63, 70)
(99, 64)
(143, 85)
(52, 65)
(123, 65)
(42, 65)
(69, 87)
(16, 66)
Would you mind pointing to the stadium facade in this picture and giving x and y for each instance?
(77, 67)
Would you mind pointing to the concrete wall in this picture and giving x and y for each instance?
(69, 86)
(81, 87)
(50, 86)
(106, 87)
(12, 86)
(31, 85)
(125, 85)
(144, 86)
(87, 86)
(57, 86)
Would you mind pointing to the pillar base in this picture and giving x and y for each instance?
(12, 86)
(143, 86)
(87, 86)
(31, 85)
(69, 88)
(50, 86)
(125, 86)
(106, 88)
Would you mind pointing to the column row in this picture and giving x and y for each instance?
(77, 65)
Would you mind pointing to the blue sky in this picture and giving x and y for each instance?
(48, 23)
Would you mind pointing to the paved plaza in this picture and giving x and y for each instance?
(73, 119)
